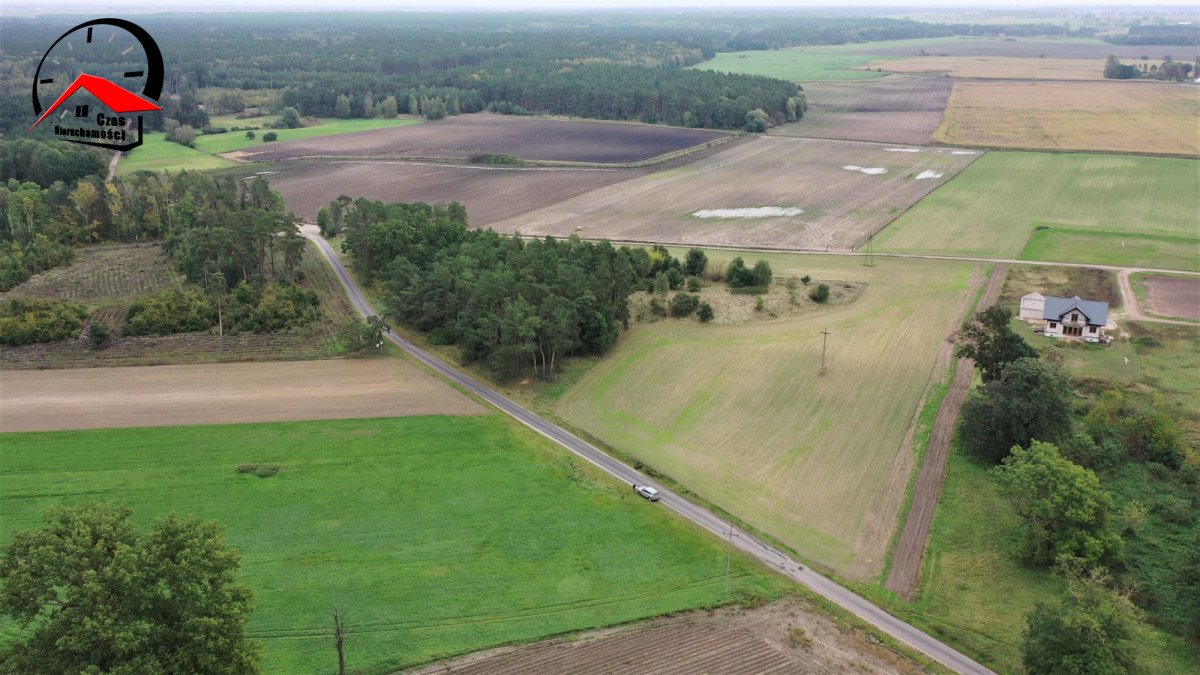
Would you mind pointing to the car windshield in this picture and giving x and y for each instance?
(650, 491)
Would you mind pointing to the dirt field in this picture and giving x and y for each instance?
(101, 274)
(834, 182)
(1050, 48)
(789, 636)
(531, 138)
(999, 67)
(890, 110)
(490, 194)
(1145, 117)
(1173, 296)
(47, 400)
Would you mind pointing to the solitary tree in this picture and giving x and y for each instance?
(1065, 509)
(389, 108)
(820, 294)
(990, 341)
(1031, 400)
(1090, 630)
(761, 274)
(217, 290)
(92, 593)
(290, 118)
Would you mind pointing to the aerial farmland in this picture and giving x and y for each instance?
(702, 341)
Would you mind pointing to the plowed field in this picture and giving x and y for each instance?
(532, 138)
(891, 110)
(847, 191)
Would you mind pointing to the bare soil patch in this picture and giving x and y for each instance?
(532, 138)
(841, 208)
(788, 636)
(490, 194)
(1000, 67)
(1113, 116)
(229, 393)
(1173, 296)
(889, 110)
(102, 273)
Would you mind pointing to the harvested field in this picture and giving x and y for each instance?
(1050, 48)
(890, 110)
(823, 464)
(490, 194)
(841, 207)
(532, 138)
(95, 398)
(1173, 296)
(994, 207)
(1126, 116)
(787, 636)
(106, 278)
(999, 67)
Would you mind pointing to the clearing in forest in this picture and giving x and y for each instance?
(528, 138)
(436, 535)
(889, 110)
(1112, 116)
(846, 191)
(822, 463)
(1101, 209)
(227, 393)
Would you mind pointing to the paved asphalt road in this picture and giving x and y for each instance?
(768, 554)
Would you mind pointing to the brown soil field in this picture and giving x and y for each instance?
(93, 398)
(789, 636)
(490, 194)
(889, 110)
(841, 207)
(532, 138)
(106, 279)
(1028, 48)
(999, 67)
(1173, 296)
(1126, 116)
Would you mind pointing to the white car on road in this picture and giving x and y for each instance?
(647, 492)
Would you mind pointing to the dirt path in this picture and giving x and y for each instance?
(910, 550)
(1129, 302)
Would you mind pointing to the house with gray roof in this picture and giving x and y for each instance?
(1074, 318)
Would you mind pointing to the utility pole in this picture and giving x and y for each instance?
(728, 560)
(824, 342)
(868, 259)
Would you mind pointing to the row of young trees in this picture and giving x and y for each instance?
(1024, 420)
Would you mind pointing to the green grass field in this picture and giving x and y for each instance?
(993, 207)
(739, 415)
(436, 535)
(798, 65)
(156, 154)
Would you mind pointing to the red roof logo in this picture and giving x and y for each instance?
(116, 97)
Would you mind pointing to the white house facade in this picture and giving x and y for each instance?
(1075, 318)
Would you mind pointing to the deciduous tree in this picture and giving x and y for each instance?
(1031, 400)
(990, 341)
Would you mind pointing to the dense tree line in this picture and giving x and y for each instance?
(1169, 70)
(28, 160)
(1155, 34)
(520, 306)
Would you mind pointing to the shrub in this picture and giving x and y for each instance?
(168, 311)
(758, 304)
(270, 136)
(260, 470)
(684, 304)
(806, 280)
(27, 321)
(98, 334)
(761, 274)
(693, 284)
(250, 135)
(695, 263)
(704, 312)
(820, 294)
(289, 119)
(19, 261)
(495, 159)
(277, 306)
(656, 308)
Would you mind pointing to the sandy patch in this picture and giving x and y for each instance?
(228, 393)
(755, 212)
(869, 170)
(964, 152)
(903, 150)
(928, 174)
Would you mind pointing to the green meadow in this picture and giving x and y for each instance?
(1105, 209)
(436, 535)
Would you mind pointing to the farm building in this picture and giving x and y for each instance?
(1033, 307)
(1068, 317)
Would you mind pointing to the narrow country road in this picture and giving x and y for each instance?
(771, 556)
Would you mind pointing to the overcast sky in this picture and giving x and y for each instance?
(26, 7)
